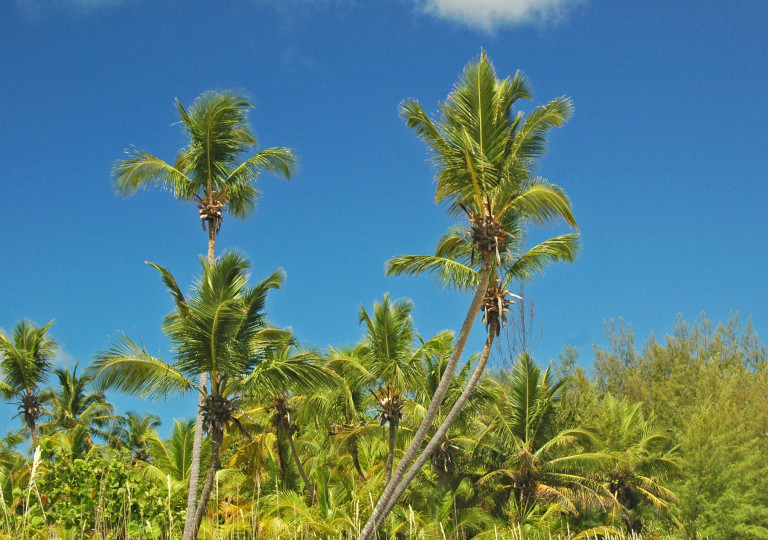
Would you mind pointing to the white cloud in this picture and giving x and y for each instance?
(491, 14)
(38, 8)
(63, 358)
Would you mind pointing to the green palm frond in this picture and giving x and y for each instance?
(446, 271)
(239, 190)
(286, 370)
(128, 367)
(557, 249)
(543, 202)
(141, 169)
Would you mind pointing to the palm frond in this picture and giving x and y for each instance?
(127, 366)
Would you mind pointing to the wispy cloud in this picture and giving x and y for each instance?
(493, 14)
(37, 8)
(63, 358)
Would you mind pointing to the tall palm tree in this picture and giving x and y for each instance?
(390, 355)
(25, 362)
(210, 171)
(219, 331)
(73, 404)
(485, 154)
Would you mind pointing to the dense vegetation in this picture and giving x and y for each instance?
(399, 435)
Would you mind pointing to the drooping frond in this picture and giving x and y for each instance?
(558, 249)
(128, 367)
(543, 202)
(239, 187)
(141, 169)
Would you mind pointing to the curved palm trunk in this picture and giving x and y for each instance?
(302, 472)
(391, 456)
(190, 530)
(216, 439)
(378, 514)
(353, 451)
(194, 468)
(437, 438)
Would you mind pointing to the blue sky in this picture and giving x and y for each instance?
(664, 159)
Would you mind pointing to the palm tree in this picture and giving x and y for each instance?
(342, 410)
(25, 362)
(72, 404)
(485, 154)
(174, 456)
(537, 463)
(285, 373)
(210, 171)
(219, 331)
(136, 433)
(393, 360)
(645, 459)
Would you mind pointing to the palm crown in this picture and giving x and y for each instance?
(25, 362)
(209, 169)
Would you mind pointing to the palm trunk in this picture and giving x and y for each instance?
(438, 437)
(194, 468)
(190, 531)
(216, 439)
(378, 514)
(33, 432)
(353, 451)
(302, 472)
(391, 455)
(280, 459)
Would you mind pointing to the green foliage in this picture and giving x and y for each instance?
(707, 383)
(101, 495)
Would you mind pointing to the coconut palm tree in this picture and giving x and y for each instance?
(535, 462)
(645, 460)
(25, 362)
(73, 404)
(390, 356)
(485, 154)
(210, 171)
(136, 433)
(219, 330)
(342, 410)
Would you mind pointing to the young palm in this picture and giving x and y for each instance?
(73, 404)
(485, 154)
(136, 433)
(284, 376)
(212, 171)
(341, 410)
(646, 460)
(25, 362)
(393, 360)
(537, 464)
(219, 330)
